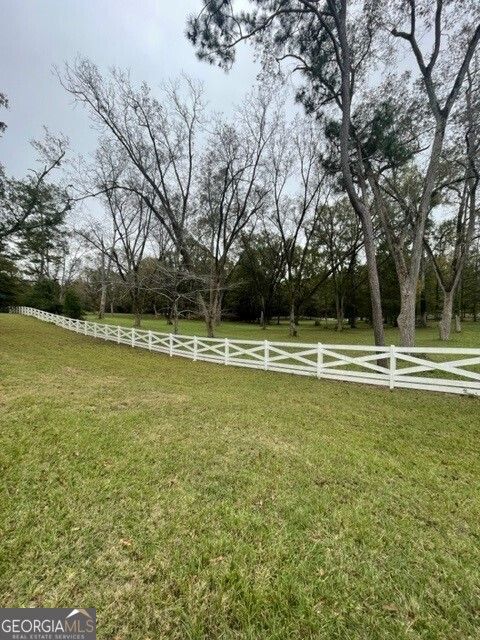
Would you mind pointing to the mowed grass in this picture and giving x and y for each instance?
(187, 500)
(307, 331)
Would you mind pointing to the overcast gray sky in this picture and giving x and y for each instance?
(146, 36)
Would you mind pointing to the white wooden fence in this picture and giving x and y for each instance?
(438, 369)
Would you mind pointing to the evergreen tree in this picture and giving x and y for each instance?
(72, 306)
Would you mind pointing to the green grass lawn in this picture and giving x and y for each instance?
(308, 332)
(185, 500)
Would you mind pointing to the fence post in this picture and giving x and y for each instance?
(149, 340)
(227, 351)
(118, 334)
(319, 359)
(170, 344)
(94, 329)
(195, 347)
(393, 361)
(265, 355)
(133, 337)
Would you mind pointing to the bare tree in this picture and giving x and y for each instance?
(332, 46)
(441, 98)
(154, 140)
(454, 239)
(232, 193)
(103, 241)
(131, 220)
(296, 157)
(178, 289)
(71, 262)
(340, 234)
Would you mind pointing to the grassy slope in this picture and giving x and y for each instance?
(470, 336)
(185, 500)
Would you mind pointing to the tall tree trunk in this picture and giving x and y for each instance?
(210, 324)
(359, 206)
(103, 289)
(424, 319)
(263, 319)
(458, 314)
(422, 303)
(352, 297)
(103, 300)
(137, 315)
(175, 315)
(204, 311)
(461, 307)
(210, 311)
(458, 323)
(437, 301)
(373, 281)
(406, 317)
(137, 318)
(213, 310)
(218, 307)
(339, 311)
(445, 324)
(293, 331)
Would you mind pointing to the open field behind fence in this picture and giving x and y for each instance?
(444, 369)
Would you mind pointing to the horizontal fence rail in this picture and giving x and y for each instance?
(451, 370)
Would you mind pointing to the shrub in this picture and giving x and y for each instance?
(72, 306)
(44, 294)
